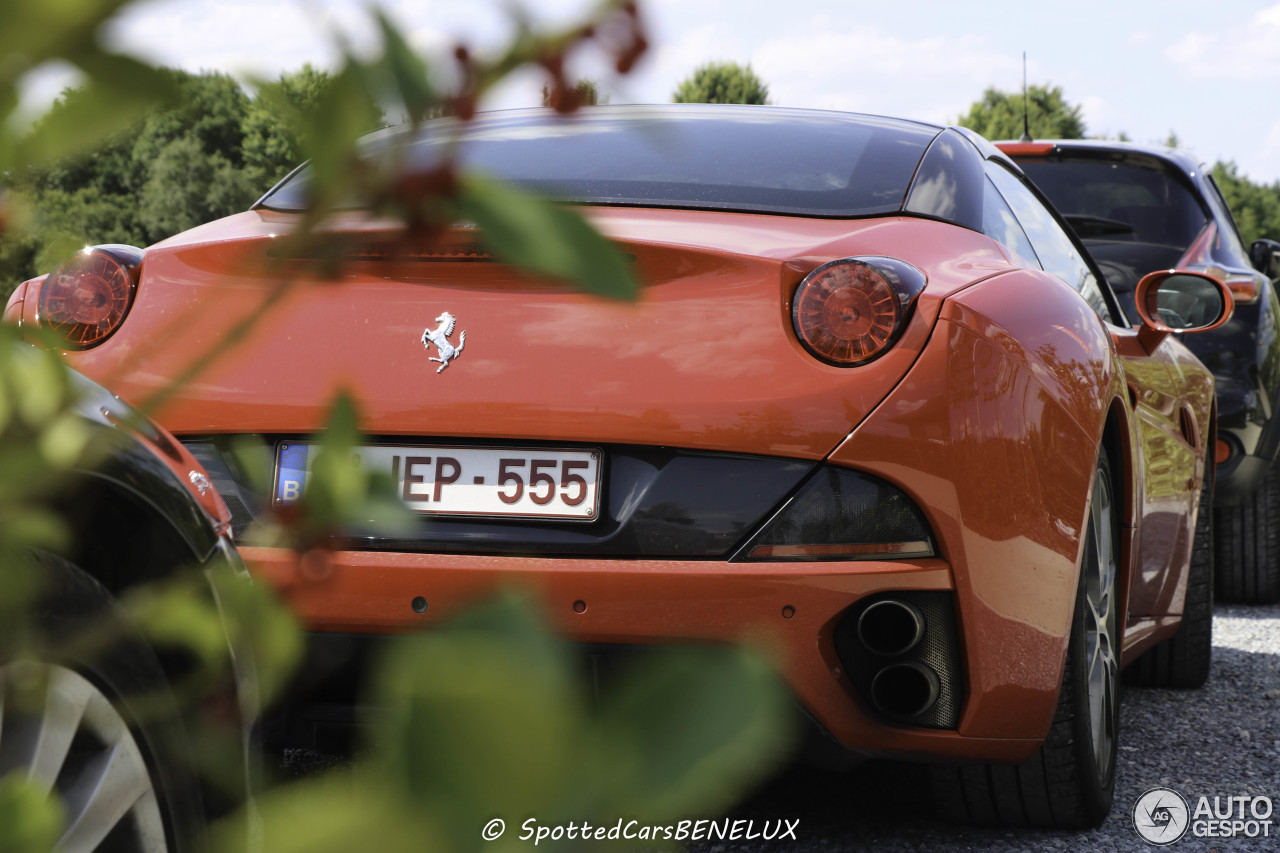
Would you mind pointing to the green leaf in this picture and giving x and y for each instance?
(690, 729)
(30, 820)
(64, 440)
(347, 110)
(407, 71)
(40, 30)
(181, 614)
(482, 717)
(40, 386)
(262, 629)
(253, 459)
(546, 238)
(335, 813)
(341, 493)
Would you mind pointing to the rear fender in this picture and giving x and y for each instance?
(994, 433)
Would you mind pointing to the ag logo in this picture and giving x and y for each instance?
(1161, 816)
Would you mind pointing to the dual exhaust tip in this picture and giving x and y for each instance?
(902, 689)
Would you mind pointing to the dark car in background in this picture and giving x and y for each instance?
(1144, 207)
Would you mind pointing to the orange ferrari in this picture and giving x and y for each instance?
(874, 408)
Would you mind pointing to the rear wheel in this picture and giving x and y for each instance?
(1247, 546)
(1070, 780)
(98, 728)
(1183, 659)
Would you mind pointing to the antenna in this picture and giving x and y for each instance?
(1026, 103)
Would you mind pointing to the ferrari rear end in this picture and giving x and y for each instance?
(839, 423)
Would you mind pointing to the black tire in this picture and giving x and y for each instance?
(1183, 659)
(1247, 546)
(121, 764)
(1070, 781)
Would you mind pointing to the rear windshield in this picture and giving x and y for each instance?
(1138, 200)
(748, 158)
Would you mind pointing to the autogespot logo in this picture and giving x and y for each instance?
(1161, 816)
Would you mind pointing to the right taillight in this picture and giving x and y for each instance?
(851, 311)
(86, 299)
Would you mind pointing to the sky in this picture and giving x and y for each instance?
(1207, 72)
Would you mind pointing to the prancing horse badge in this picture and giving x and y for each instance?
(440, 337)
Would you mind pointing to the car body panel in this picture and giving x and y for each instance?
(709, 330)
(1010, 363)
(988, 415)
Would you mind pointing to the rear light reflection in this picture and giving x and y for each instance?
(85, 300)
(1222, 452)
(851, 311)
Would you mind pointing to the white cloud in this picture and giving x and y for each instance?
(867, 70)
(1242, 52)
(1264, 162)
(678, 55)
(211, 35)
(1099, 116)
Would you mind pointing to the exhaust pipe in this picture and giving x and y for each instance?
(890, 627)
(905, 690)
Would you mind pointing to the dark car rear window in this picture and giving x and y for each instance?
(1148, 198)
(748, 159)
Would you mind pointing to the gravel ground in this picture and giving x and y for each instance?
(1221, 740)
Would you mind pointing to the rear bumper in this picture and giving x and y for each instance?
(789, 612)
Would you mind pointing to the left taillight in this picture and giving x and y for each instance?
(850, 311)
(86, 299)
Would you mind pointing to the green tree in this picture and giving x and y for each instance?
(722, 83)
(1256, 207)
(188, 186)
(208, 153)
(211, 109)
(999, 115)
(274, 124)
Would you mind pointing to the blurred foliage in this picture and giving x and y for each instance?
(341, 494)
(999, 115)
(721, 83)
(30, 820)
(488, 718)
(429, 199)
(585, 93)
(42, 438)
(482, 717)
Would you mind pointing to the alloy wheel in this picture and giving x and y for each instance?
(74, 743)
(1100, 627)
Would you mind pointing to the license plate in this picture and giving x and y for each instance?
(494, 482)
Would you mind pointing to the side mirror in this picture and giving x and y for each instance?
(1265, 257)
(1175, 301)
